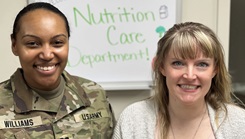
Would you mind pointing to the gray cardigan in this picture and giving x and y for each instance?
(137, 121)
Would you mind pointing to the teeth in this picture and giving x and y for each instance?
(45, 68)
(188, 86)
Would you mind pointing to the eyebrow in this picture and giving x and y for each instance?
(34, 36)
(199, 59)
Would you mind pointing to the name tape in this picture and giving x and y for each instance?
(20, 123)
(84, 116)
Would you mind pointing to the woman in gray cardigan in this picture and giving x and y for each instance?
(193, 94)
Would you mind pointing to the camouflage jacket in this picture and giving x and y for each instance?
(84, 112)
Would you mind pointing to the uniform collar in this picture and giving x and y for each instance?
(22, 94)
(74, 97)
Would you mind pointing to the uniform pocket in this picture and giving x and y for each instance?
(102, 128)
(85, 124)
(37, 132)
(22, 134)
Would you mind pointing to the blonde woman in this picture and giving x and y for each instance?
(193, 94)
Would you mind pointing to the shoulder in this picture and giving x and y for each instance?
(231, 123)
(86, 84)
(235, 116)
(5, 90)
(84, 87)
(138, 112)
(236, 112)
(232, 111)
(136, 121)
(235, 121)
(5, 85)
(144, 107)
(6, 99)
(87, 91)
(93, 93)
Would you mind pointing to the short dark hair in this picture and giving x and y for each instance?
(34, 6)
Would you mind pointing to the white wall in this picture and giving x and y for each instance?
(8, 11)
(213, 13)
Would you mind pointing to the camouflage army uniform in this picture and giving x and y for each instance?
(84, 112)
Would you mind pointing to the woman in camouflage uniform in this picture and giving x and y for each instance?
(41, 100)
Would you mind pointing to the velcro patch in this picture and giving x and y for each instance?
(20, 123)
(85, 116)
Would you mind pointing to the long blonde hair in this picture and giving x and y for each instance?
(187, 40)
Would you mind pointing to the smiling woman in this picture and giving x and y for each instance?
(40, 97)
(193, 94)
(41, 42)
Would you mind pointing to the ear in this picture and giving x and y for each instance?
(214, 72)
(13, 46)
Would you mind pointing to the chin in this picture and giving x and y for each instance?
(189, 100)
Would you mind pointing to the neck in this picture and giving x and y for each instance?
(52, 93)
(186, 112)
(186, 122)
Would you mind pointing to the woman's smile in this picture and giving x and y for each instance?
(188, 87)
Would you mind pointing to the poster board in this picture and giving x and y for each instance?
(113, 42)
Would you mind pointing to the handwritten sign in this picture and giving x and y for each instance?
(113, 42)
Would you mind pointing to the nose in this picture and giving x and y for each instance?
(190, 73)
(46, 53)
